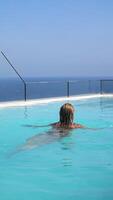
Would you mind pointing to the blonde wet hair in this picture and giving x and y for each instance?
(66, 114)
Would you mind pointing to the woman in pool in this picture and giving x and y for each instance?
(60, 129)
(66, 118)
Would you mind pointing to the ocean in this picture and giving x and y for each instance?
(12, 89)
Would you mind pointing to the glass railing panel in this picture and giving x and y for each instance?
(84, 87)
(46, 89)
(94, 86)
(106, 86)
(11, 89)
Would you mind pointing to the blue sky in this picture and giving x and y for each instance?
(57, 37)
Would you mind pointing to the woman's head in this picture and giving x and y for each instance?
(66, 114)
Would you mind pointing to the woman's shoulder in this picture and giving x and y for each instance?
(56, 124)
(77, 125)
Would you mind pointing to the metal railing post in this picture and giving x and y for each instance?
(25, 92)
(89, 88)
(101, 87)
(68, 91)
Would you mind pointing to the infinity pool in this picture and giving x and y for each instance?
(78, 166)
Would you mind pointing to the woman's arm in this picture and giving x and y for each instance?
(39, 126)
(36, 126)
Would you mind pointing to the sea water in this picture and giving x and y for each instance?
(77, 166)
(13, 88)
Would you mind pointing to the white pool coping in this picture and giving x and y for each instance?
(49, 100)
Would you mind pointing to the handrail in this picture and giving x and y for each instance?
(16, 73)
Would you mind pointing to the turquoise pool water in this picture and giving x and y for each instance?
(78, 166)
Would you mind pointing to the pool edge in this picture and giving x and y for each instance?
(49, 100)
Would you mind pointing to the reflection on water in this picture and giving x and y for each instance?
(44, 138)
(26, 112)
(67, 162)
